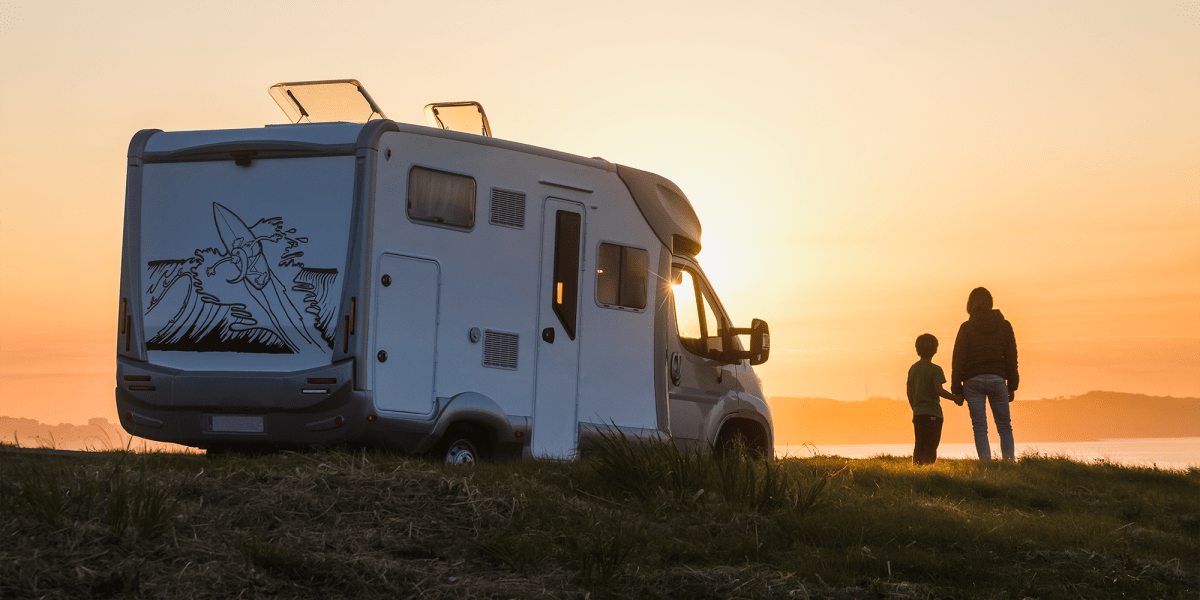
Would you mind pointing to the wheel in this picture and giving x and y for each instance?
(750, 439)
(462, 452)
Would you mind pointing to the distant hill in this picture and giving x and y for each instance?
(1089, 416)
(98, 434)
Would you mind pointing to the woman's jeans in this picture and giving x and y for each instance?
(980, 391)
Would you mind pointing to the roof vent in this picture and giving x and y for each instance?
(343, 100)
(467, 117)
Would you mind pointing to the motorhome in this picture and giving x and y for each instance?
(348, 279)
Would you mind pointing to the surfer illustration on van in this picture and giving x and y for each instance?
(245, 254)
(236, 302)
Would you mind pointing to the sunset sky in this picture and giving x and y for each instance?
(858, 167)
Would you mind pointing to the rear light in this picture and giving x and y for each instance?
(126, 324)
(141, 388)
(348, 329)
(322, 380)
(136, 378)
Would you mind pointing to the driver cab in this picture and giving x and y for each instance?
(708, 366)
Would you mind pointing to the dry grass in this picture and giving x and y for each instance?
(354, 524)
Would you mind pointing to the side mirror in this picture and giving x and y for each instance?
(760, 343)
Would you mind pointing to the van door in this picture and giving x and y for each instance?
(555, 431)
(406, 320)
(696, 384)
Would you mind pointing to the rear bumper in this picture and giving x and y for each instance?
(311, 407)
(285, 410)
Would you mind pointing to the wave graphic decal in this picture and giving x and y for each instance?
(231, 299)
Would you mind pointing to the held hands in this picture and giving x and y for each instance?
(958, 399)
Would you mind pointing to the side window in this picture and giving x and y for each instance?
(621, 274)
(441, 197)
(565, 291)
(696, 319)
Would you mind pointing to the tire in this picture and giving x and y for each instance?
(460, 446)
(461, 451)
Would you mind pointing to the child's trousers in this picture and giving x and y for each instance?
(928, 430)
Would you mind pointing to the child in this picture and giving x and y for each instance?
(925, 381)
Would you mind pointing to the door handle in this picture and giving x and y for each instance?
(676, 368)
(548, 335)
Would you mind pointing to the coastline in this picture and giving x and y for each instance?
(1176, 453)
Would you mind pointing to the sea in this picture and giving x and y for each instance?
(1163, 453)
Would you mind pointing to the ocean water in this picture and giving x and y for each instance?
(1165, 453)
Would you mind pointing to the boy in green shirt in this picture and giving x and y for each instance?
(925, 381)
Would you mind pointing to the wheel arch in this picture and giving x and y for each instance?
(476, 413)
(751, 427)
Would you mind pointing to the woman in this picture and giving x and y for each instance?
(984, 370)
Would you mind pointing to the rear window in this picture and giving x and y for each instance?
(441, 197)
(243, 266)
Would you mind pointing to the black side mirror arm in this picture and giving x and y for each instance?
(760, 343)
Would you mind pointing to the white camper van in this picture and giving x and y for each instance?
(349, 279)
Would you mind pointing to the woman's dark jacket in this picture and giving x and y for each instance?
(985, 345)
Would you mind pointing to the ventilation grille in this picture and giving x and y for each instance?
(500, 350)
(508, 208)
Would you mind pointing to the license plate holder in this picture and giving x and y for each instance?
(233, 424)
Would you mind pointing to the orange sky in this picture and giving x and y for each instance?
(858, 167)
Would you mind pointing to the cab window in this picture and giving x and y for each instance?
(696, 318)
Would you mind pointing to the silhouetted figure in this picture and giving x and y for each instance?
(925, 381)
(984, 370)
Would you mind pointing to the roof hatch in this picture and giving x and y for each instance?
(467, 117)
(325, 101)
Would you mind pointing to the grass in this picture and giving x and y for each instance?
(628, 520)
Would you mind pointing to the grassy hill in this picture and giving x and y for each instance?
(1089, 416)
(628, 521)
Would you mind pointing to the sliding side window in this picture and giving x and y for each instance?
(621, 274)
(441, 197)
